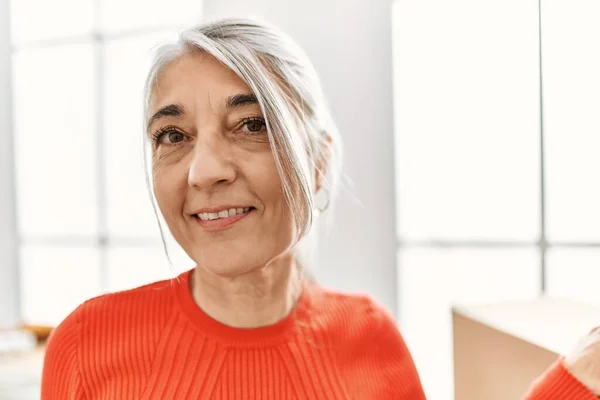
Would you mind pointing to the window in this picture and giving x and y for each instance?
(496, 196)
(571, 55)
(79, 68)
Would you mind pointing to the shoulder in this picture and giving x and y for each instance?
(126, 314)
(368, 344)
(90, 334)
(155, 297)
(358, 315)
(112, 315)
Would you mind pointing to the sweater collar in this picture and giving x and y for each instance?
(279, 332)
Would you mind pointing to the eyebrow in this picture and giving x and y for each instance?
(241, 100)
(177, 110)
(172, 110)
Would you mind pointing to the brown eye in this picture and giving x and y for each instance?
(174, 137)
(168, 136)
(254, 125)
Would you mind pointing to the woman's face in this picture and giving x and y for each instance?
(215, 178)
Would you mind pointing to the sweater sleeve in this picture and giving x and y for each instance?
(558, 383)
(61, 378)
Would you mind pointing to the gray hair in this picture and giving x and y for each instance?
(302, 134)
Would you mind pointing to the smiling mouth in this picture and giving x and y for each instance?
(215, 221)
(222, 214)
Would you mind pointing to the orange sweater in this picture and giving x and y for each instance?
(153, 342)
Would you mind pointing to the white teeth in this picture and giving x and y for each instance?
(203, 216)
(222, 214)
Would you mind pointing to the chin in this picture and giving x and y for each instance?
(235, 257)
(231, 271)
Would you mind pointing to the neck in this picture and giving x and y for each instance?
(258, 298)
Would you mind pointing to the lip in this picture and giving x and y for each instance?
(220, 223)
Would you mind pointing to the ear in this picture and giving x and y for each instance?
(322, 162)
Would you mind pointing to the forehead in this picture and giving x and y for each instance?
(196, 77)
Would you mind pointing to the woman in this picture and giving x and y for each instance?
(241, 144)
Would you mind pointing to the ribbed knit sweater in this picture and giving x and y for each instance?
(154, 342)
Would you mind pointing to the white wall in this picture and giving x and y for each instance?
(9, 295)
(349, 41)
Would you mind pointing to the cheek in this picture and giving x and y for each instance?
(169, 181)
(266, 181)
(279, 214)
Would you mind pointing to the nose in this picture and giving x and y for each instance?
(212, 165)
